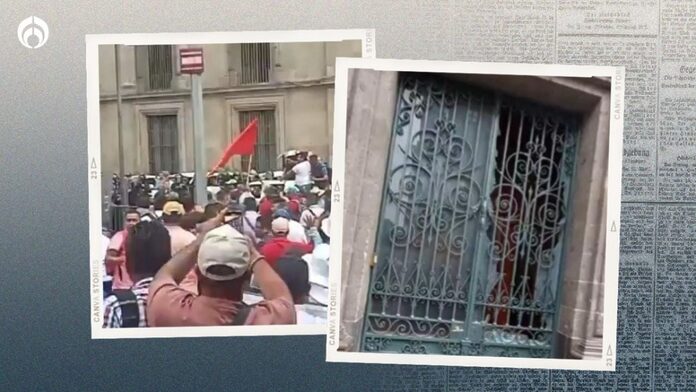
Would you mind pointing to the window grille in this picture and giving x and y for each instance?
(256, 63)
(160, 64)
(266, 151)
(163, 142)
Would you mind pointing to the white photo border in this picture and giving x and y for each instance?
(93, 41)
(611, 266)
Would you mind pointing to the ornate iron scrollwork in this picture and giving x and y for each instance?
(463, 210)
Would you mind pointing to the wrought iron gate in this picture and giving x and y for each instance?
(470, 244)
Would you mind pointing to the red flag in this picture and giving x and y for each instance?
(243, 145)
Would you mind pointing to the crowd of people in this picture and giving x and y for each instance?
(248, 257)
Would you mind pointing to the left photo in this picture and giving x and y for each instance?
(210, 171)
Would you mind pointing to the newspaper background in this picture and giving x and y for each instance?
(656, 42)
(45, 269)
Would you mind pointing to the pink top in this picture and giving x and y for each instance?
(172, 306)
(121, 278)
(181, 238)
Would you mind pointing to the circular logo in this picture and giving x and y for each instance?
(32, 32)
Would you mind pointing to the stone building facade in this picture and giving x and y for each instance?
(289, 86)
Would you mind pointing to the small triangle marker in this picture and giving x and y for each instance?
(336, 188)
(609, 352)
(613, 227)
(93, 164)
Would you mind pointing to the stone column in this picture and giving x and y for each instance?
(582, 286)
(370, 114)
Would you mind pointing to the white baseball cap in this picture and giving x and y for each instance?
(227, 249)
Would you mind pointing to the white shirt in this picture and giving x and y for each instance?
(252, 216)
(296, 232)
(245, 195)
(303, 173)
(317, 211)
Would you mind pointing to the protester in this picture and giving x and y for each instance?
(270, 199)
(116, 255)
(297, 232)
(212, 209)
(287, 227)
(302, 172)
(250, 216)
(295, 273)
(307, 278)
(172, 212)
(222, 197)
(147, 249)
(313, 209)
(320, 174)
(280, 243)
(246, 193)
(224, 261)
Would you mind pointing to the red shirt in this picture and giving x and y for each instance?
(276, 248)
(294, 206)
(266, 207)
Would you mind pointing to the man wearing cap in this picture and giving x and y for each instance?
(267, 204)
(236, 218)
(280, 244)
(172, 212)
(224, 261)
(296, 232)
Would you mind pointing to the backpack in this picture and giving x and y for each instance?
(242, 314)
(130, 312)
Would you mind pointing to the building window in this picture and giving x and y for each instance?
(266, 152)
(256, 63)
(163, 143)
(160, 65)
(472, 228)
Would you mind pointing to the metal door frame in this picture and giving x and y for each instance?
(472, 337)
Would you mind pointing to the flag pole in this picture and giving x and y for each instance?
(251, 157)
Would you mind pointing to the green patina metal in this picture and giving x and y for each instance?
(470, 243)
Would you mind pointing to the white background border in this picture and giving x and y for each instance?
(94, 166)
(611, 265)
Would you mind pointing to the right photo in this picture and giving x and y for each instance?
(476, 215)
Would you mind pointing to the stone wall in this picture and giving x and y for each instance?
(370, 113)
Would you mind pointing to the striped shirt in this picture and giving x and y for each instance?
(112, 307)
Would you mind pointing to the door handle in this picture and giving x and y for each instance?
(483, 212)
